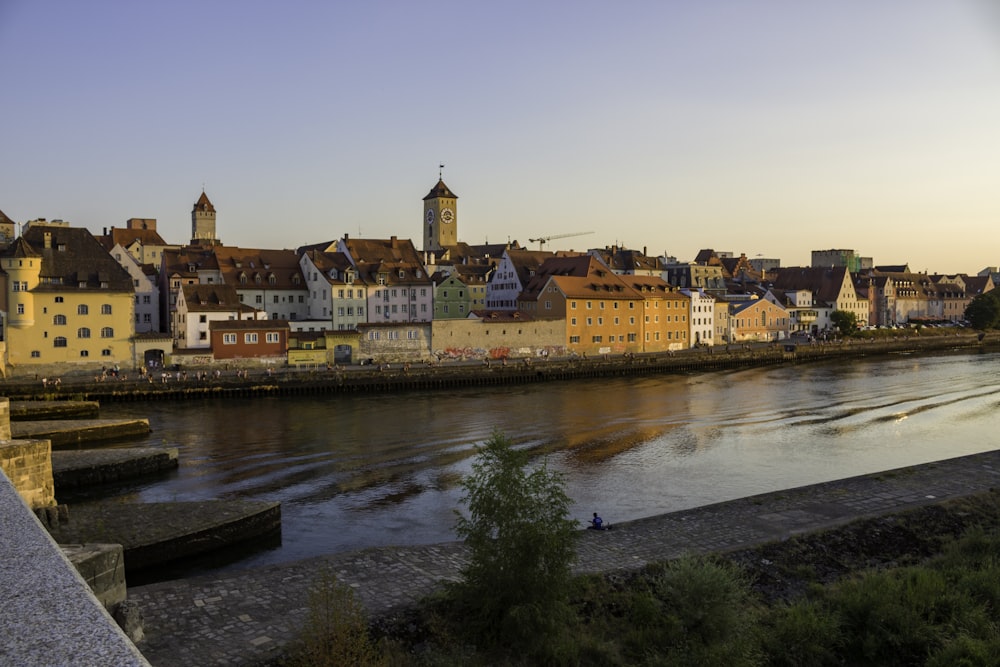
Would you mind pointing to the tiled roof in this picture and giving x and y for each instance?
(74, 259)
(824, 282)
(203, 204)
(325, 262)
(440, 190)
(209, 298)
(283, 265)
(244, 325)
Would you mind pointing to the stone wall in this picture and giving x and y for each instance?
(479, 339)
(102, 566)
(28, 465)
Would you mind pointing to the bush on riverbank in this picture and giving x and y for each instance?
(918, 588)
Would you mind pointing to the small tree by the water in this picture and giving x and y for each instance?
(514, 589)
(845, 321)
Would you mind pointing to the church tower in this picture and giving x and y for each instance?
(203, 222)
(440, 217)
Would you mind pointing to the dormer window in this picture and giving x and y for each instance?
(402, 274)
(349, 277)
(333, 274)
(383, 278)
(243, 279)
(257, 279)
(192, 268)
(272, 279)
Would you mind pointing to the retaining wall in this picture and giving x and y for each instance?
(49, 614)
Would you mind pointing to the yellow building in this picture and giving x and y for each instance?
(66, 301)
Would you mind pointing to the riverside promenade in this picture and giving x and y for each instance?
(245, 618)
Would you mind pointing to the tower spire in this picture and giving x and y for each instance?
(440, 171)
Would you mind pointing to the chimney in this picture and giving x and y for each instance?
(644, 252)
(393, 241)
(105, 231)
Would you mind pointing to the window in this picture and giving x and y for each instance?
(35, 354)
(83, 332)
(250, 338)
(229, 339)
(145, 300)
(259, 299)
(106, 309)
(59, 341)
(105, 352)
(572, 321)
(597, 339)
(372, 335)
(59, 299)
(272, 337)
(203, 319)
(82, 309)
(84, 353)
(574, 339)
(59, 320)
(20, 309)
(107, 332)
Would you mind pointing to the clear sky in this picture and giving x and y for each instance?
(768, 127)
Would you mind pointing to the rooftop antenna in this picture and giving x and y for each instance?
(440, 171)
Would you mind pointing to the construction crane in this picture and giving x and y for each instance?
(542, 240)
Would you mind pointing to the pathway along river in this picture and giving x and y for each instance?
(356, 471)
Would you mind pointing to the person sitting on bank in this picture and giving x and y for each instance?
(596, 523)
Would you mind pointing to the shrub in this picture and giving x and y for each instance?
(336, 629)
(514, 589)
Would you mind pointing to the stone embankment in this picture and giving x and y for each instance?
(450, 374)
(248, 617)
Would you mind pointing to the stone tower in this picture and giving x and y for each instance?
(440, 217)
(203, 222)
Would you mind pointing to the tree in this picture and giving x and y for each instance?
(983, 312)
(514, 589)
(845, 321)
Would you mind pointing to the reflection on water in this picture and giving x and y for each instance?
(357, 471)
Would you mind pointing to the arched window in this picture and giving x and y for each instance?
(106, 309)
(107, 332)
(59, 319)
(59, 341)
(83, 332)
(82, 309)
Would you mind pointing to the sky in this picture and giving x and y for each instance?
(772, 128)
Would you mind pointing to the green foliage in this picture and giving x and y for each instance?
(336, 629)
(845, 321)
(983, 312)
(690, 612)
(805, 633)
(514, 589)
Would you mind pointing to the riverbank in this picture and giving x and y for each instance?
(248, 617)
(236, 382)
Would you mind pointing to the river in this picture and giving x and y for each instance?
(355, 471)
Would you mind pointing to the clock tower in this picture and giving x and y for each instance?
(440, 217)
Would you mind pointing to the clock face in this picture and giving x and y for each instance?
(447, 215)
(430, 215)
